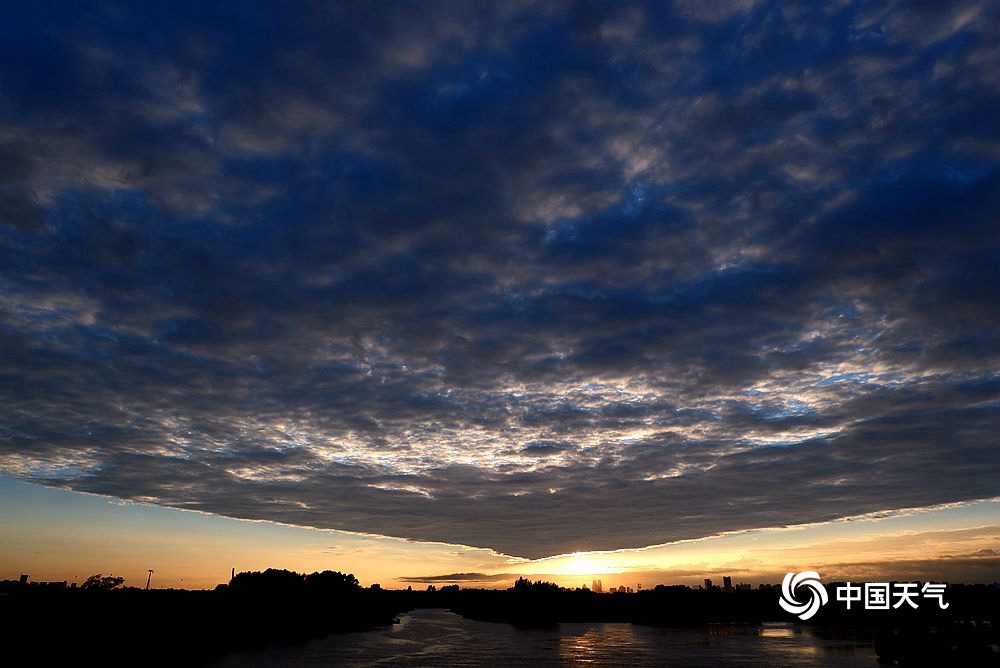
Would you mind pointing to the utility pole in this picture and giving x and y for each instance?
(148, 578)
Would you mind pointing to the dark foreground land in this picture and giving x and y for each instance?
(178, 627)
(183, 628)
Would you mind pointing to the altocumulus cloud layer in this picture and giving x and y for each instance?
(538, 277)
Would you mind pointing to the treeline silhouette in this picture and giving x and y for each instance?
(114, 625)
(279, 581)
(532, 604)
(129, 626)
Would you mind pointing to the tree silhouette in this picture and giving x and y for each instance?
(100, 582)
(332, 582)
(526, 585)
(271, 581)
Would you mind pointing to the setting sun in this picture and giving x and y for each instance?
(579, 563)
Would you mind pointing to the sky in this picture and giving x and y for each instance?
(447, 290)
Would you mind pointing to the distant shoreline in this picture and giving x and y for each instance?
(164, 627)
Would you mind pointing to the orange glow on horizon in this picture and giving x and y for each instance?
(55, 535)
(581, 563)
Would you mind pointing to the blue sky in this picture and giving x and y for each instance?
(494, 275)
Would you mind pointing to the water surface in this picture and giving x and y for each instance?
(441, 638)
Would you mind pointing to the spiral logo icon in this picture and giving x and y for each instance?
(817, 594)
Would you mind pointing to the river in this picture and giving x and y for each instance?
(433, 637)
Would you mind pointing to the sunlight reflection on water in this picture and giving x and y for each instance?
(442, 638)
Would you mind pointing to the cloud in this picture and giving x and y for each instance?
(984, 553)
(955, 570)
(461, 577)
(534, 279)
(951, 570)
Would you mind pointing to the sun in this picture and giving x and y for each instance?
(581, 563)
